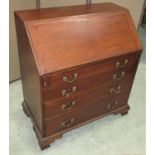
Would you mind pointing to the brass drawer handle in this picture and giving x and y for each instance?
(69, 91)
(116, 91)
(66, 79)
(69, 123)
(118, 77)
(65, 107)
(119, 65)
(112, 106)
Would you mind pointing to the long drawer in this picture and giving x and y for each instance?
(84, 114)
(74, 76)
(88, 83)
(78, 100)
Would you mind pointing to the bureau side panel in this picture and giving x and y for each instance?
(30, 75)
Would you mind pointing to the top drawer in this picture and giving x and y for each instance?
(72, 76)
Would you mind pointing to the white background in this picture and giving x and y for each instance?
(4, 77)
(150, 78)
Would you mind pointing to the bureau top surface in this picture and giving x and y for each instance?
(60, 43)
(56, 12)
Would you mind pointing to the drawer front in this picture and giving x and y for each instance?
(88, 83)
(84, 114)
(73, 77)
(79, 100)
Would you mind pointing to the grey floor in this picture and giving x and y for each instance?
(112, 135)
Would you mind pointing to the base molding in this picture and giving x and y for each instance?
(44, 142)
(123, 110)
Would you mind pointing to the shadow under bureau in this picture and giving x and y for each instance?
(77, 64)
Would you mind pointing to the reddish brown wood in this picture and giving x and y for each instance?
(45, 141)
(87, 33)
(102, 82)
(92, 95)
(59, 43)
(29, 75)
(42, 140)
(85, 113)
(48, 13)
(93, 70)
(123, 110)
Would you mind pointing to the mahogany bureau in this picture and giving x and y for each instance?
(77, 64)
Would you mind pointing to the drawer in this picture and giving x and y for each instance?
(88, 83)
(84, 114)
(81, 99)
(74, 76)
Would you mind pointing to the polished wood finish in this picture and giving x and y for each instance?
(91, 95)
(77, 63)
(79, 32)
(97, 68)
(84, 114)
(30, 75)
(99, 80)
(57, 12)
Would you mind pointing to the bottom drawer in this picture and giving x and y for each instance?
(84, 114)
